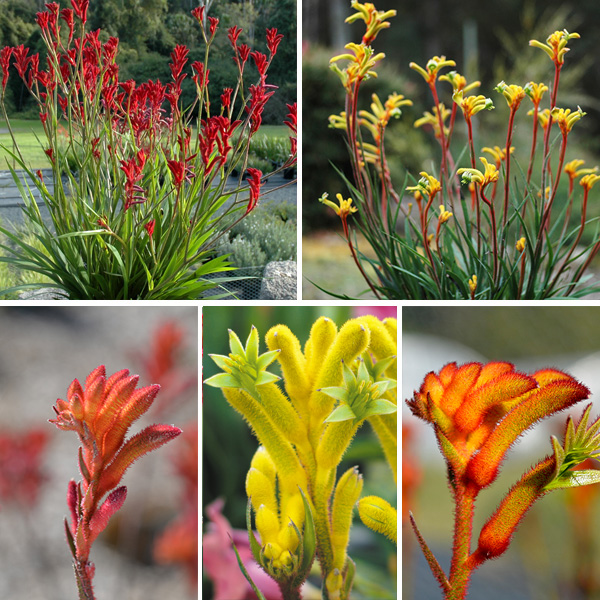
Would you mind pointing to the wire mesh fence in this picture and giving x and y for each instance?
(244, 284)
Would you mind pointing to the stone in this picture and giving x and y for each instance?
(280, 281)
(43, 294)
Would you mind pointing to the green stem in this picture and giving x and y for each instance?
(84, 582)
(290, 593)
(461, 569)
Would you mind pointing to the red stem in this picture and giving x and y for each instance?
(577, 239)
(426, 240)
(545, 164)
(355, 257)
(494, 235)
(461, 567)
(444, 167)
(511, 122)
(473, 165)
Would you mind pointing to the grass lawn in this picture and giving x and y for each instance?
(326, 261)
(30, 133)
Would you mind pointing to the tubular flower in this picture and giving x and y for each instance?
(459, 82)
(338, 121)
(489, 175)
(520, 245)
(432, 68)
(343, 209)
(588, 181)
(471, 105)
(480, 410)
(444, 214)
(279, 517)
(543, 117)
(535, 91)
(101, 414)
(254, 183)
(379, 515)
(375, 20)
(499, 154)
(381, 114)
(473, 286)
(565, 469)
(566, 118)
(573, 171)
(427, 185)
(556, 45)
(431, 118)
(361, 64)
(513, 94)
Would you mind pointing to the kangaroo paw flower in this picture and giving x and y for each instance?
(101, 413)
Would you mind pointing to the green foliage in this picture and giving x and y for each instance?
(276, 150)
(11, 277)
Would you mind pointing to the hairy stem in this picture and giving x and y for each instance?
(461, 569)
(84, 581)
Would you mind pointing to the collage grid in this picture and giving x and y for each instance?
(394, 235)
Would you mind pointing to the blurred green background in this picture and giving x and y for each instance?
(556, 550)
(228, 445)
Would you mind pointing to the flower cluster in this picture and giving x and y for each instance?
(419, 260)
(341, 380)
(101, 412)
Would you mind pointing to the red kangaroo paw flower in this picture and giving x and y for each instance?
(496, 534)
(101, 412)
(561, 392)
(110, 506)
(145, 441)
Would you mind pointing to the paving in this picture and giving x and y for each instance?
(275, 189)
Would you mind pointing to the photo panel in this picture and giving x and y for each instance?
(449, 150)
(148, 151)
(287, 452)
(499, 451)
(98, 451)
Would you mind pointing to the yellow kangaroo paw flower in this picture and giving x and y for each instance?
(282, 413)
(385, 427)
(322, 335)
(261, 461)
(347, 492)
(286, 461)
(293, 364)
(379, 515)
(351, 341)
(334, 443)
(382, 343)
(267, 524)
(261, 490)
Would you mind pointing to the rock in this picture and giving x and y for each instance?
(43, 294)
(280, 281)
